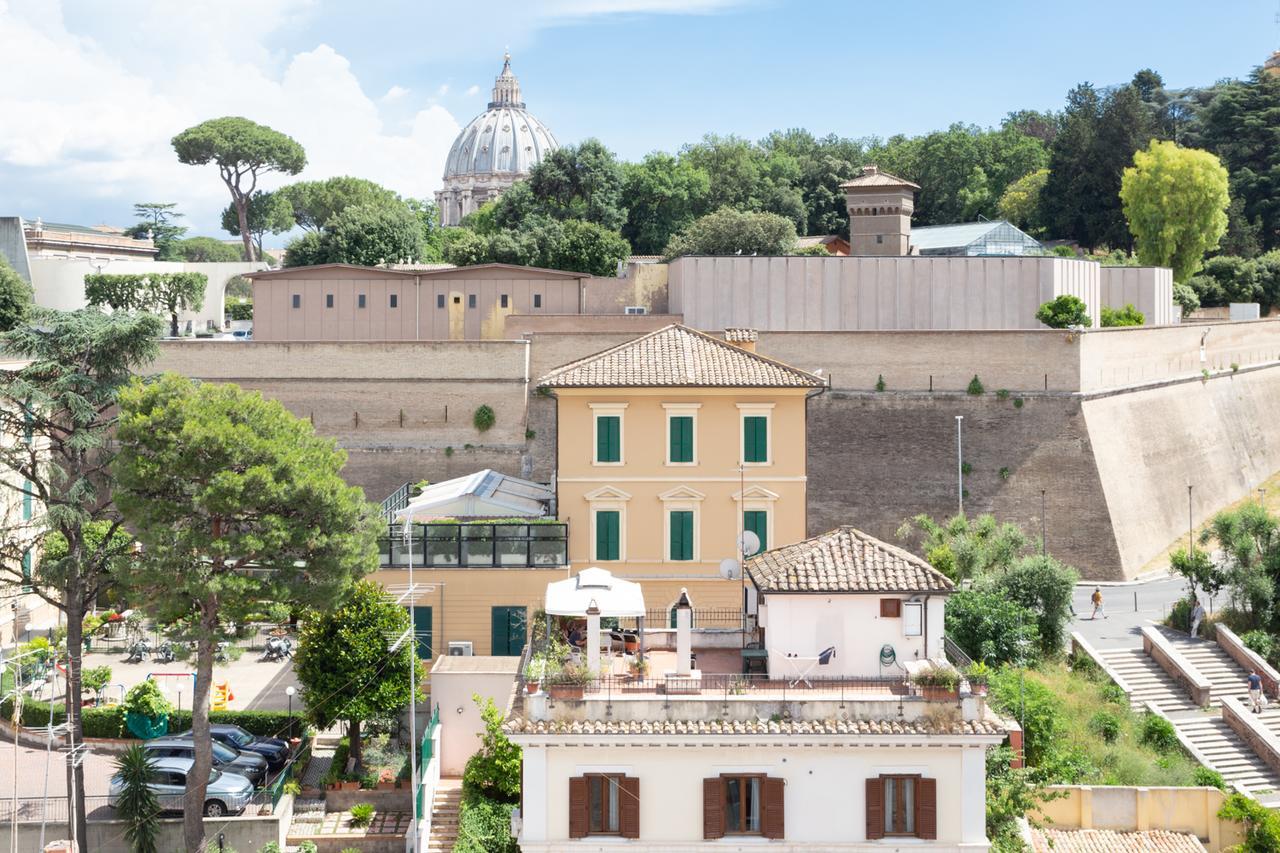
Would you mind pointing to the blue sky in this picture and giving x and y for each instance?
(378, 89)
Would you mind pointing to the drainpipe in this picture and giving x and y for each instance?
(417, 307)
(924, 620)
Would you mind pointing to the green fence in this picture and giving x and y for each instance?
(424, 758)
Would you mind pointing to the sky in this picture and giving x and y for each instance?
(94, 91)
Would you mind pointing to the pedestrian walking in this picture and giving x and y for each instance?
(1255, 691)
(1197, 616)
(1096, 598)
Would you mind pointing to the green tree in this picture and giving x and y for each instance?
(234, 501)
(15, 296)
(1064, 312)
(345, 665)
(96, 678)
(138, 806)
(1020, 203)
(205, 250)
(267, 213)
(432, 231)
(493, 771)
(1199, 570)
(732, 232)
(963, 549)
(663, 195)
(168, 293)
(316, 203)
(158, 223)
(243, 151)
(992, 628)
(1176, 202)
(1186, 298)
(65, 401)
(1126, 316)
(578, 182)
(367, 235)
(1043, 586)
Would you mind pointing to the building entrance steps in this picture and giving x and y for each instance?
(444, 816)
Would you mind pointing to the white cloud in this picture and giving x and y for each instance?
(395, 93)
(472, 91)
(442, 90)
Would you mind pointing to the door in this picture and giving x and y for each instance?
(422, 631)
(508, 631)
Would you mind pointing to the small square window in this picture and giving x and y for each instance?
(504, 300)
(297, 300)
(457, 300)
(879, 238)
(471, 300)
(537, 300)
(328, 300)
(360, 301)
(394, 300)
(439, 300)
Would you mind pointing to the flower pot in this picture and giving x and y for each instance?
(389, 785)
(935, 693)
(351, 786)
(565, 691)
(631, 646)
(531, 686)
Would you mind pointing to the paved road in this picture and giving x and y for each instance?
(1123, 626)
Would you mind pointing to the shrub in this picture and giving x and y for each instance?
(1115, 694)
(494, 771)
(966, 468)
(1260, 642)
(1158, 733)
(138, 806)
(1106, 726)
(1004, 472)
(975, 388)
(1017, 402)
(484, 826)
(880, 386)
(1036, 706)
(269, 847)
(1064, 312)
(990, 627)
(484, 418)
(361, 814)
(1126, 316)
(1203, 777)
(1261, 825)
(145, 699)
(1044, 586)
(1180, 615)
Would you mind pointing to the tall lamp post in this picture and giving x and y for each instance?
(960, 464)
(290, 691)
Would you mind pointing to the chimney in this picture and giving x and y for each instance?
(743, 339)
(684, 634)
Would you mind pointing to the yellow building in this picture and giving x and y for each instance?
(668, 447)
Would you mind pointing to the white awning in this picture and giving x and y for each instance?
(484, 494)
(614, 597)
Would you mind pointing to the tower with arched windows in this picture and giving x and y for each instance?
(880, 207)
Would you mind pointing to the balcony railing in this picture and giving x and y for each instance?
(478, 546)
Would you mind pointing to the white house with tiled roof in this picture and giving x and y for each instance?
(846, 604)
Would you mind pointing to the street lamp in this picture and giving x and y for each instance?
(960, 464)
(289, 691)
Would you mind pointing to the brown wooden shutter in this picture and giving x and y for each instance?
(875, 808)
(890, 608)
(927, 808)
(579, 817)
(712, 808)
(772, 794)
(629, 807)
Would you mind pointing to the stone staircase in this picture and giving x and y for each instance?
(1229, 755)
(1227, 677)
(1147, 681)
(444, 816)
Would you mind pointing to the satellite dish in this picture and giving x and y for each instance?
(729, 569)
(748, 543)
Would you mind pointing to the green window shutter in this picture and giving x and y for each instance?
(681, 534)
(422, 632)
(757, 521)
(26, 571)
(755, 438)
(507, 634)
(26, 500)
(607, 538)
(608, 438)
(681, 438)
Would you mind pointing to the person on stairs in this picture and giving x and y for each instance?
(1197, 616)
(1255, 692)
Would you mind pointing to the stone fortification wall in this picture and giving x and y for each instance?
(1149, 289)
(1119, 358)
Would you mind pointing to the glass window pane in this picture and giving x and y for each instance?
(732, 805)
(752, 806)
(614, 792)
(908, 805)
(890, 792)
(595, 800)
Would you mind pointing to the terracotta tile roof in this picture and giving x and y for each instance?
(748, 727)
(872, 177)
(677, 356)
(1048, 840)
(844, 560)
(739, 335)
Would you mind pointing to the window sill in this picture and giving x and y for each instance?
(607, 464)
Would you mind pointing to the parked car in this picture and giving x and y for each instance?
(247, 764)
(242, 334)
(228, 793)
(273, 749)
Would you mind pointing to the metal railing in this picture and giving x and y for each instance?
(955, 654)
(487, 545)
(52, 809)
(396, 501)
(728, 685)
(703, 617)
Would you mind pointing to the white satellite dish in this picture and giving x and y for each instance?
(729, 569)
(748, 543)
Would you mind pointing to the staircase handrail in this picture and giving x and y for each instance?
(1172, 661)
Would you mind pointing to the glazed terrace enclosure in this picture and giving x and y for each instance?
(516, 543)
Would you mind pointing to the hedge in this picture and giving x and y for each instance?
(108, 721)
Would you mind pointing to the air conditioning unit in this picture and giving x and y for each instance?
(460, 649)
(636, 309)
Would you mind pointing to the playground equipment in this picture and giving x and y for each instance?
(221, 696)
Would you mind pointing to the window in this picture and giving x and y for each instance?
(457, 300)
(743, 804)
(912, 619)
(439, 300)
(902, 805)
(507, 630)
(757, 521)
(681, 534)
(360, 301)
(504, 300)
(680, 447)
(422, 631)
(328, 300)
(395, 299)
(297, 300)
(879, 238)
(26, 500)
(608, 439)
(471, 300)
(608, 534)
(755, 439)
(537, 300)
(604, 804)
(26, 571)
(890, 608)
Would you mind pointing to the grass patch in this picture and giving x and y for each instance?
(1078, 731)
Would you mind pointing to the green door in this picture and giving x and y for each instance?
(507, 631)
(422, 631)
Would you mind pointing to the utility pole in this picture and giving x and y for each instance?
(960, 464)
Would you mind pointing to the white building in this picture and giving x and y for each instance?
(853, 759)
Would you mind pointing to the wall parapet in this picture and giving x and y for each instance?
(1132, 809)
(1172, 661)
(1079, 645)
(1264, 743)
(1249, 659)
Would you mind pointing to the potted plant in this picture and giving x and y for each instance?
(937, 681)
(639, 668)
(570, 683)
(978, 674)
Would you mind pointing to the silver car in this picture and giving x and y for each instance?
(227, 793)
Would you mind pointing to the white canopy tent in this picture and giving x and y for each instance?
(595, 593)
(484, 494)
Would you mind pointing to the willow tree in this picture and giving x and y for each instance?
(57, 410)
(235, 501)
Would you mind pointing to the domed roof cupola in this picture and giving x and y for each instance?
(496, 148)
